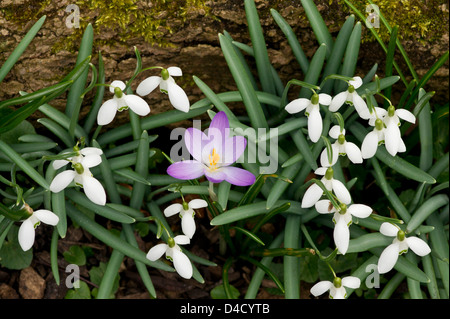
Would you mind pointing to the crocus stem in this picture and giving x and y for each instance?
(212, 194)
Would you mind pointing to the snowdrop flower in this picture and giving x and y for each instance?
(400, 245)
(213, 155)
(342, 219)
(120, 102)
(340, 147)
(186, 211)
(173, 252)
(374, 138)
(336, 288)
(393, 140)
(167, 85)
(312, 112)
(351, 96)
(27, 228)
(314, 192)
(87, 157)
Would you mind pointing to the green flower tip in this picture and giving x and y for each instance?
(185, 206)
(315, 99)
(341, 139)
(165, 74)
(342, 209)
(171, 242)
(391, 110)
(78, 168)
(378, 124)
(351, 89)
(337, 282)
(329, 173)
(118, 92)
(401, 235)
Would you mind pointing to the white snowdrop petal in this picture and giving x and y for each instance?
(173, 209)
(324, 161)
(351, 282)
(324, 99)
(391, 139)
(46, 216)
(322, 206)
(174, 71)
(406, 115)
(188, 225)
(157, 251)
(26, 234)
(182, 240)
(94, 190)
(387, 229)
(62, 180)
(91, 161)
(341, 192)
(57, 164)
(107, 112)
(353, 153)
(198, 203)
(418, 246)
(320, 171)
(117, 84)
(361, 106)
(311, 196)
(178, 97)
(337, 101)
(369, 145)
(315, 125)
(335, 131)
(341, 235)
(87, 151)
(321, 287)
(388, 258)
(338, 293)
(297, 105)
(137, 104)
(356, 82)
(182, 264)
(359, 210)
(148, 85)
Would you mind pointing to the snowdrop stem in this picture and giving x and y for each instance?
(152, 68)
(97, 131)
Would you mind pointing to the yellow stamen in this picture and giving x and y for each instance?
(214, 158)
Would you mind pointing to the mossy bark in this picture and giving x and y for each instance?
(190, 41)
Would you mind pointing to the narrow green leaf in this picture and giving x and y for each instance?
(390, 61)
(318, 25)
(350, 57)
(58, 130)
(314, 70)
(425, 132)
(98, 99)
(248, 234)
(281, 184)
(428, 207)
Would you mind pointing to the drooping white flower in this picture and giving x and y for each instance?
(314, 192)
(352, 97)
(400, 245)
(186, 211)
(27, 228)
(312, 112)
(374, 138)
(392, 135)
(342, 219)
(340, 147)
(167, 85)
(87, 157)
(337, 287)
(173, 252)
(120, 102)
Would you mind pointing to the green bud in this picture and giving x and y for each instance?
(118, 92)
(378, 124)
(315, 99)
(329, 173)
(171, 242)
(185, 206)
(351, 89)
(78, 168)
(165, 74)
(337, 282)
(401, 235)
(391, 110)
(341, 139)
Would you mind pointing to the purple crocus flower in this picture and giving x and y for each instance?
(213, 154)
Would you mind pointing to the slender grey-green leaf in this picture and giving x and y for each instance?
(318, 25)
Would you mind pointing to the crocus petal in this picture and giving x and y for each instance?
(387, 229)
(418, 246)
(181, 240)
(186, 170)
(137, 104)
(388, 258)
(62, 180)
(353, 153)
(311, 196)
(315, 125)
(406, 115)
(337, 101)
(194, 139)
(94, 190)
(173, 209)
(46, 216)
(215, 176)
(341, 192)
(174, 71)
(26, 235)
(351, 282)
(178, 97)
(219, 125)
(107, 112)
(157, 251)
(188, 225)
(232, 149)
(369, 145)
(359, 210)
(148, 85)
(238, 176)
(356, 82)
(321, 287)
(182, 264)
(297, 105)
(323, 207)
(59, 163)
(341, 236)
(198, 203)
(324, 99)
(117, 84)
